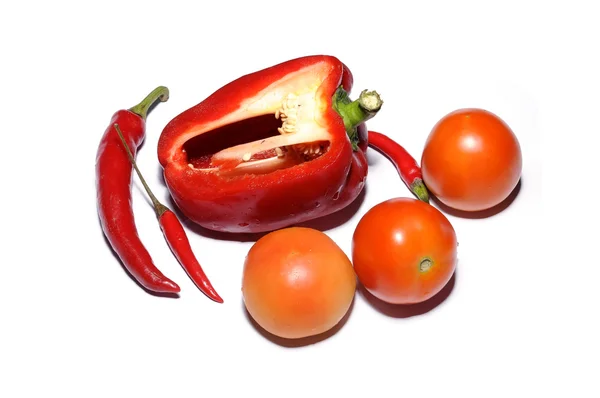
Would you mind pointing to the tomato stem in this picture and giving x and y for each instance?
(425, 265)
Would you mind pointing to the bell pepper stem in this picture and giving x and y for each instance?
(159, 208)
(355, 112)
(160, 93)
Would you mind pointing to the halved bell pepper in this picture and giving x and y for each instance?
(273, 148)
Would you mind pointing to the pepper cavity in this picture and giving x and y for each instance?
(257, 145)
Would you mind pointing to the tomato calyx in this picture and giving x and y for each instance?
(425, 265)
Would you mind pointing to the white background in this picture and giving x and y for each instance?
(521, 316)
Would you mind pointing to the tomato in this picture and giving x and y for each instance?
(472, 160)
(297, 282)
(404, 251)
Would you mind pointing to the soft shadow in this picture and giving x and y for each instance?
(301, 342)
(161, 176)
(373, 156)
(482, 213)
(118, 259)
(407, 311)
(338, 218)
(140, 188)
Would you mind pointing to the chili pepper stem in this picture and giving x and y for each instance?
(420, 190)
(174, 234)
(159, 208)
(160, 93)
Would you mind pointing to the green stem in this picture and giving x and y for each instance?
(160, 93)
(355, 112)
(159, 208)
(420, 190)
(425, 265)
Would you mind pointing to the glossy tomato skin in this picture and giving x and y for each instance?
(404, 251)
(297, 282)
(472, 160)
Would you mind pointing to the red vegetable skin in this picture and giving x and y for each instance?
(113, 188)
(407, 166)
(297, 282)
(472, 160)
(404, 251)
(175, 235)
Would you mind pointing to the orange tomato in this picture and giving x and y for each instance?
(404, 251)
(472, 160)
(297, 282)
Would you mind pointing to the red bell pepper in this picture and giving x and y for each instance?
(273, 148)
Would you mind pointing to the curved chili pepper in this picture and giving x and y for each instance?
(277, 147)
(407, 166)
(175, 235)
(113, 194)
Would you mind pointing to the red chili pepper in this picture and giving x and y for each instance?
(407, 166)
(113, 186)
(273, 148)
(175, 235)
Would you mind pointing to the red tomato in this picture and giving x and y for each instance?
(471, 160)
(404, 251)
(297, 282)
